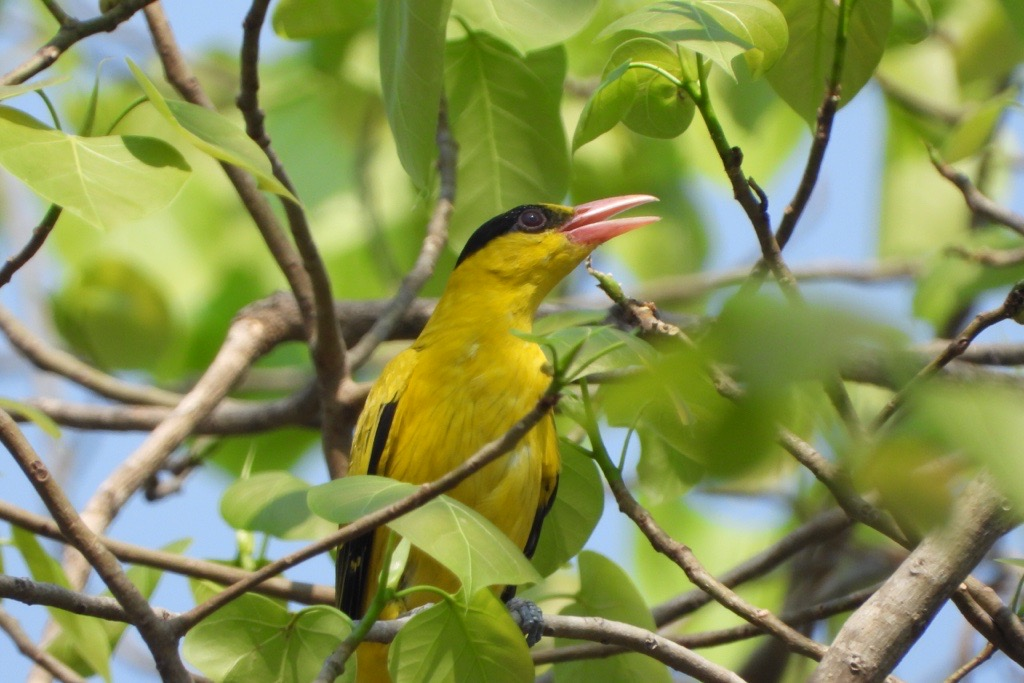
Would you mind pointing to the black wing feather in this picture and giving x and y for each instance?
(351, 570)
(533, 539)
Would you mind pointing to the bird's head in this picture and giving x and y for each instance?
(533, 247)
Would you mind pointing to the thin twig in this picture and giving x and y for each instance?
(983, 656)
(1010, 308)
(35, 242)
(997, 258)
(486, 454)
(326, 344)
(51, 359)
(180, 75)
(67, 35)
(160, 639)
(977, 202)
(430, 251)
(293, 591)
(251, 335)
(21, 640)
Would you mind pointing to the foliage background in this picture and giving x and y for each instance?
(198, 283)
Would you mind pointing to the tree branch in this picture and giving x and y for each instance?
(980, 205)
(160, 639)
(69, 33)
(35, 242)
(23, 642)
(876, 637)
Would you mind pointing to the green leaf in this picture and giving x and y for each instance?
(145, 580)
(274, 503)
(975, 130)
(8, 91)
(607, 591)
(114, 313)
(577, 509)
(254, 638)
(33, 414)
(453, 534)
(981, 422)
(606, 107)
(102, 180)
(912, 21)
(658, 109)
(86, 634)
(526, 25)
(800, 77)
(213, 134)
(411, 36)
(453, 643)
(505, 112)
(305, 19)
(721, 30)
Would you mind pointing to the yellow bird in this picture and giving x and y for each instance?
(464, 382)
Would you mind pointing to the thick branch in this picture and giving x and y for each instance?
(877, 636)
(159, 638)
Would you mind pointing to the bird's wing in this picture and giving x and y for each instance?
(371, 439)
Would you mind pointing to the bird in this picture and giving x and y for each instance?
(464, 382)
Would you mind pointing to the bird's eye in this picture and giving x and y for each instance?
(532, 219)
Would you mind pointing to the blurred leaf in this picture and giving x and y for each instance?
(213, 134)
(115, 314)
(914, 480)
(606, 107)
(504, 111)
(980, 421)
(585, 350)
(103, 180)
(455, 535)
(253, 638)
(800, 77)
(607, 591)
(9, 91)
(411, 35)
(273, 503)
(85, 635)
(275, 450)
(921, 210)
(304, 19)
(975, 131)
(146, 580)
(912, 21)
(721, 30)
(526, 25)
(33, 414)
(454, 643)
(577, 509)
(950, 281)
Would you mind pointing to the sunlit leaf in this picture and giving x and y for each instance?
(8, 91)
(801, 75)
(253, 638)
(274, 503)
(33, 414)
(721, 30)
(607, 591)
(526, 25)
(102, 180)
(606, 107)
(504, 111)
(213, 134)
(453, 534)
(411, 35)
(454, 643)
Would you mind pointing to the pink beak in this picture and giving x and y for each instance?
(588, 224)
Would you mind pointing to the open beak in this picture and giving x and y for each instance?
(592, 223)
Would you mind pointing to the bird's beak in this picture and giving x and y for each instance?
(589, 224)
